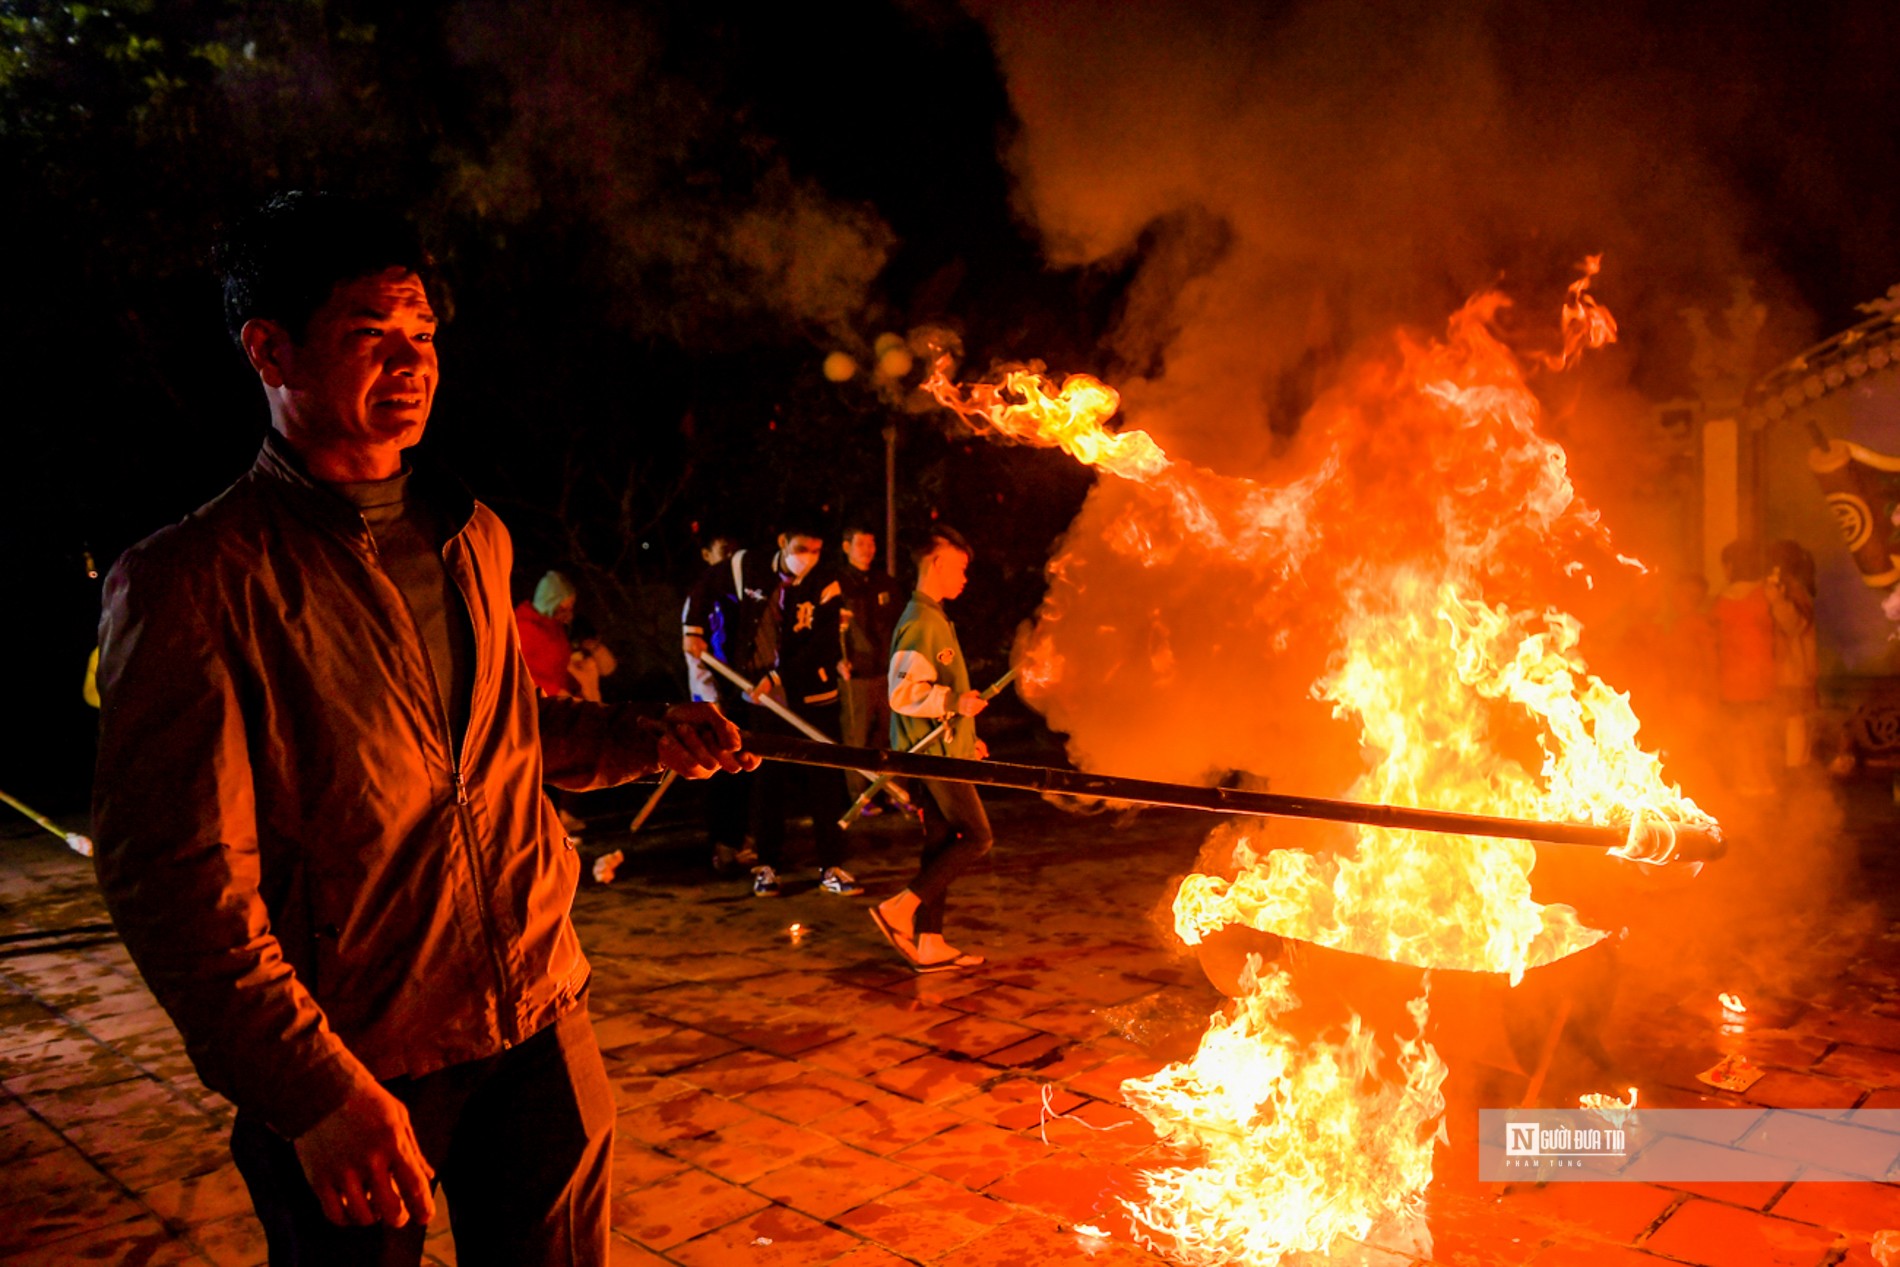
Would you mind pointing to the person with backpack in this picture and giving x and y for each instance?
(724, 615)
(802, 623)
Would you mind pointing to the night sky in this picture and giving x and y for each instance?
(656, 222)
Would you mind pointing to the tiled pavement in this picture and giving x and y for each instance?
(800, 1099)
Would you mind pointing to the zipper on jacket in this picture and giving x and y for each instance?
(504, 1017)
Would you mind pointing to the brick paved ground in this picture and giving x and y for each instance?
(806, 1101)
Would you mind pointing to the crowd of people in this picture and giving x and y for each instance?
(800, 642)
(792, 643)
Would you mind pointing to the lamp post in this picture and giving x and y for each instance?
(890, 499)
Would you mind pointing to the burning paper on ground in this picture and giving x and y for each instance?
(1731, 1073)
(1608, 1107)
(1091, 1240)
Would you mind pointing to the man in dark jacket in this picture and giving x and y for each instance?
(318, 804)
(871, 603)
(724, 616)
(801, 625)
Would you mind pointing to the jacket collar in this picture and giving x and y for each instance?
(918, 596)
(278, 463)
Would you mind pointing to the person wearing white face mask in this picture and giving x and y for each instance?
(802, 625)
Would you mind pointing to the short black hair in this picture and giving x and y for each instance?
(935, 538)
(280, 262)
(1743, 559)
(802, 521)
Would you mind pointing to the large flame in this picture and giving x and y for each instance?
(1429, 512)
(1291, 1136)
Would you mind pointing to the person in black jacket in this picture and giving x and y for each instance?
(871, 603)
(802, 622)
(725, 615)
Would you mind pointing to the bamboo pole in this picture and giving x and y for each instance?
(792, 719)
(653, 802)
(1691, 841)
(74, 841)
(942, 728)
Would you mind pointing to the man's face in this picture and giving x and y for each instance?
(799, 552)
(564, 612)
(949, 570)
(364, 375)
(861, 549)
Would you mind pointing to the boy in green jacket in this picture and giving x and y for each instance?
(929, 683)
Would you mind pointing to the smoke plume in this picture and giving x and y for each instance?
(610, 128)
(1299, 177)
(1294, 183)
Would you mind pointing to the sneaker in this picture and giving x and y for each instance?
(764, 882)
(606, 865)
(840, 882)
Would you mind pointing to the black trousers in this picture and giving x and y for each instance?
(817, 791)
(729, 809)
(522, 1143)
(956, 837)
(864, 715)
(729, 796)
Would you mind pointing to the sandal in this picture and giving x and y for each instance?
(964, 960)
(899, 942)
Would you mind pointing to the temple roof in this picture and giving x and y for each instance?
(1869, 347)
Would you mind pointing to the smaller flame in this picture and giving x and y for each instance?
(1032, 409)
(1587, 324)
(1608, 1107)
(1732, 1003)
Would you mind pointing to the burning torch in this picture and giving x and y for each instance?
(1654, 840)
